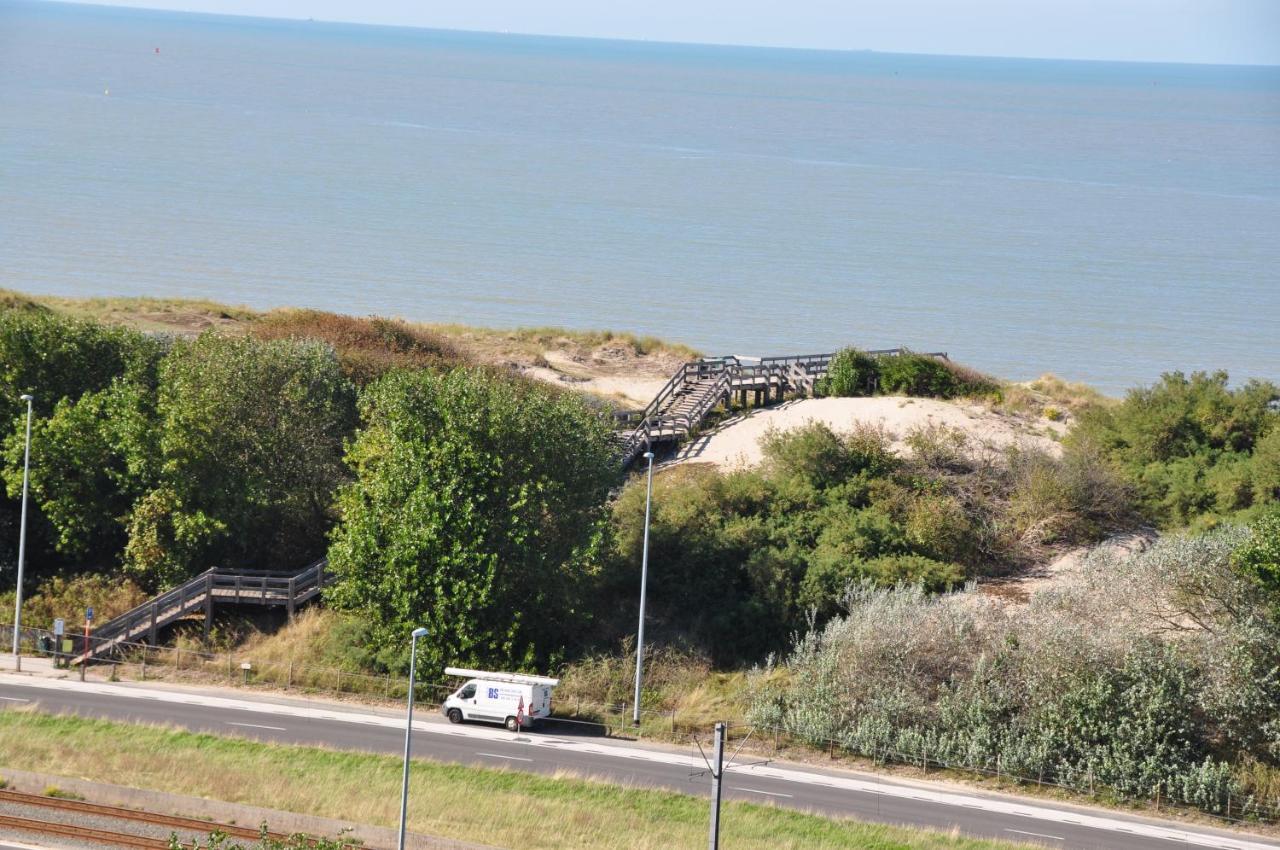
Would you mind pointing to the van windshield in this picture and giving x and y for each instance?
(468, 691)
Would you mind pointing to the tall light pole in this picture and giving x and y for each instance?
(644, 584)
(22, 540)
(408, 731)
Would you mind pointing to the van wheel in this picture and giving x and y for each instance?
(512, 725)
(455, 716)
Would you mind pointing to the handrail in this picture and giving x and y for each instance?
(194, 591)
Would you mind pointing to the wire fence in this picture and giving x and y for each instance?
(573, 715)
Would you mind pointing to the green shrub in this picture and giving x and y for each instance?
(1191, 446)
(1265, 467)
(852, 372)
(1259, 557)
(914, 374)
(823, 458)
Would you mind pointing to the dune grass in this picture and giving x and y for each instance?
(498, 807)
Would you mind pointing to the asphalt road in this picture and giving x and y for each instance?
(802, 787)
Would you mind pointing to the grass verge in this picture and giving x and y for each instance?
(498, 807)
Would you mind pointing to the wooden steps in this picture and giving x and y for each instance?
(201, 594)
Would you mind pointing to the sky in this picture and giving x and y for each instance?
(1245, 32)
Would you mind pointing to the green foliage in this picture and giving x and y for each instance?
(250, 438)
(58, 360)
(917, 375)
(1259, 557)
(1192, 446)
(54, 358)
(852, 372)
(94, 457)
(740, 561)
(478, 502)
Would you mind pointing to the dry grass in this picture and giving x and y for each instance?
(186, 317)
(1051, 397)
(367, 347)
(519, 810)
(679, 688)
(372, 345)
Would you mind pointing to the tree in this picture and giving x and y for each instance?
(61, 361)
(54, 357)
(478, 504)
(250, 437)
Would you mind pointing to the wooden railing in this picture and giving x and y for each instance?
(264, 587)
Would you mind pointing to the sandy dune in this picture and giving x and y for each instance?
(736, 442)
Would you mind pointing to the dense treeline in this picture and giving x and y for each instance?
(466, 499)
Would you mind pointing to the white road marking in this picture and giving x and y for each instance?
(1036, 834)
(766, 793)
(499, 756)
(797, 777)
(258, 726)
(14, 699)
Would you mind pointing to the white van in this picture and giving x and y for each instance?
(499, 698)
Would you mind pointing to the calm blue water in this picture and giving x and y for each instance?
(1103, 221)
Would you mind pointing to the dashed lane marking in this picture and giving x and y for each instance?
(499, 756)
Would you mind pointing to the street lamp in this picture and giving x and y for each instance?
(644, 582)
(22, 539)
(408, 731)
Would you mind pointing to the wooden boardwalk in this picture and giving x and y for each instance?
(700, 387)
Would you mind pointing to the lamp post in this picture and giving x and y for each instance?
(22, 540)
(408, 731)
(644, 583)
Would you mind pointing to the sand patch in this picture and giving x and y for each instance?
(736, 443)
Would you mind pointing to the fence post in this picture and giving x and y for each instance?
(339, 689)
(386, 690)
(230, 676)
(144, 662)
(673, 721)
(288, 682)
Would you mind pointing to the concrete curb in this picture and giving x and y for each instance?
(217, 811)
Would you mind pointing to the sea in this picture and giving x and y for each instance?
(1103, 221)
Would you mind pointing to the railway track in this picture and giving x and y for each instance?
(82, 833)
(110, 837)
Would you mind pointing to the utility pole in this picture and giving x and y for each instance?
(717, 771)
(644, 586)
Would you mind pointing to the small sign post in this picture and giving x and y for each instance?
(59, 629)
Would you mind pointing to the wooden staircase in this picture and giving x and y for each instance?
(215, 586)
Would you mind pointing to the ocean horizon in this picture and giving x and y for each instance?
(1106, 221)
